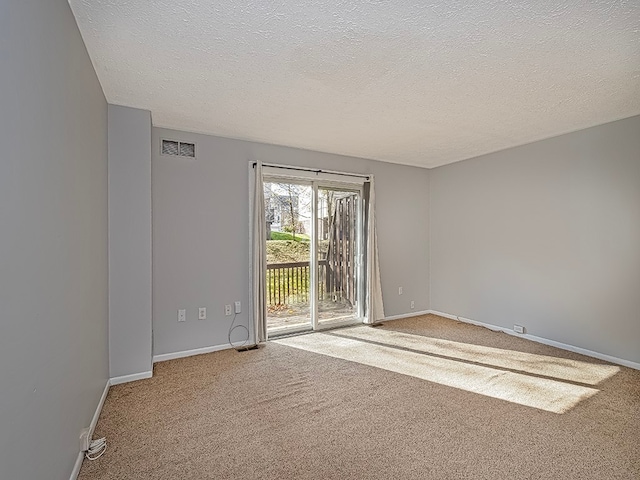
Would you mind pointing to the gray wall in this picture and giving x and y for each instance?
(129, 241)
(53, 245)
(546, 235)
(201, 233)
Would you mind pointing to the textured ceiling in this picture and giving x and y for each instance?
(413, 82)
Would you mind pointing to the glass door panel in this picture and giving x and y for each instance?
(288, 214)
(338, 249)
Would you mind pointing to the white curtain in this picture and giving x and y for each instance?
(258, 258)
(375, 306)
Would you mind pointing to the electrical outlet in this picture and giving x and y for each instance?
(182, 315)
(227, 310)
(399, 290)
(202, 313)
(518, 328)
(413, 304)
(238, 307)
(85, 441)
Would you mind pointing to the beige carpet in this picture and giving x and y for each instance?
(426, 398)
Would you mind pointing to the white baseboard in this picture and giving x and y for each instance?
(76, 466)
(92, 426)
(405, 315)
(446, 315)
(96, 415)
(130, 378)
(188, 353)
(544, 341)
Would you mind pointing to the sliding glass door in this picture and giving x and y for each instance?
(288, 210)
(313, 247)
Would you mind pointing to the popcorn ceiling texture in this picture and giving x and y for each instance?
(420, 83)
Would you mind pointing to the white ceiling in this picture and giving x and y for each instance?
(415, 82)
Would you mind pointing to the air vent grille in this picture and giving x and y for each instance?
(187, 150)
(179, 149)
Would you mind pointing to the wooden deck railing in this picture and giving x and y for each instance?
(289, 283)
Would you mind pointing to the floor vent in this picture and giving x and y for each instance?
(246, 349)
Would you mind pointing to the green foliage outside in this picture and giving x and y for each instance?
(287, 251)
(300, 237)
(284, 251)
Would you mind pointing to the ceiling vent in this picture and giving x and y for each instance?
(178, 149)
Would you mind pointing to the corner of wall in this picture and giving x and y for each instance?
(130, 243)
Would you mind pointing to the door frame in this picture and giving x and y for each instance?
(315, 324)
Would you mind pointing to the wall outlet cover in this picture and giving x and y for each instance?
(202, 313)
(85, 441)
(518, 328)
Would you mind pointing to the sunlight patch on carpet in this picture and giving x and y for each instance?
(545, 394)
(548, 366)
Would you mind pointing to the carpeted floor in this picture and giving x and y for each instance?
(421, 398)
